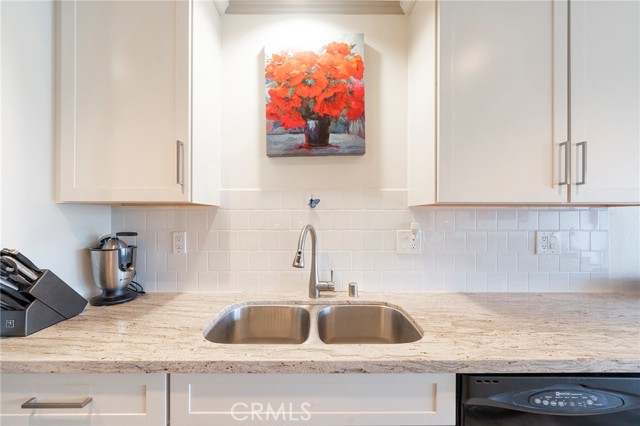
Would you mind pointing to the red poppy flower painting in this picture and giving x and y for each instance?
(315, 99)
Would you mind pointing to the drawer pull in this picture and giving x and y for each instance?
(33, 403)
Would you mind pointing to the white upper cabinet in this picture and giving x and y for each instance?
(138, 111)
(516, 80)
(605, 101)
(496, 95)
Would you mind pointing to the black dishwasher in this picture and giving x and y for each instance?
(549, 400)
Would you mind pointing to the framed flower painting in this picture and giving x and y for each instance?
(315, 99)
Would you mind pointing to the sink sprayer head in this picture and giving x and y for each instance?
(298, 260)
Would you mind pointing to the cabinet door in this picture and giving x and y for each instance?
(123, 101)
(605, 101)
(116, 399)
(502, 101)
(312, 399)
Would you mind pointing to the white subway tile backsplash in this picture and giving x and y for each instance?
(238, 219)
(219, 261)
(527, 262)
(229, 281)
(600, 241)
(559, 282)
(569, 262)
(589, 219)
(372, 281)
(465, 261)
(477, 282)
(167, 282)
(414, 281)
(497, 240)
(455, 281)
(486, 261)
(177, 262)
(507, 220)
(445, 220)
(207, 241)
(197, 220)
(393, 281)
(527, 220)
(383, 261)
(434, 240)
(518, 241)
(579, 240)
(476, 241)
(197, 261)
(539, 282)
(156, 261)
(446, 261)
(157, 219)
(455, 240)
(569, 219)
(187, 281)
(249, 242)
(497, 282)
(548, 262)
(507, 261)
(590, 261)
(135, 220)
(434, 281)
(517, 282)
(487, 220)
(465, 220)
(548, 220)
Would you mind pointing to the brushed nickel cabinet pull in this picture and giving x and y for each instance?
(180, 163)
(34, 404)
(583, 151)
(567, 163)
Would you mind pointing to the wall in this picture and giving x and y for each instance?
(625, 248)
(243, 131)
(53, 236)
(248, 243)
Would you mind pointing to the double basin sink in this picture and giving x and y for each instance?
(329, 323)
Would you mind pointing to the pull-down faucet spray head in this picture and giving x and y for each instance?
(298, 259)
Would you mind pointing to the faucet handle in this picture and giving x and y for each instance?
(327, 285)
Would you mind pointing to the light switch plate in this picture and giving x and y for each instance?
(547, 242)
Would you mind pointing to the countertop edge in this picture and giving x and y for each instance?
(325, 367)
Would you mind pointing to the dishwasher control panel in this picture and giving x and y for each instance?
(574, 401)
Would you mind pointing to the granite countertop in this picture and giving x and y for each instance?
(463, 333)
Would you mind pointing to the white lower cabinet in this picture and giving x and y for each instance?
(116, 399)
(312, 399)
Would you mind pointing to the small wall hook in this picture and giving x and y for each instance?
(313, 202)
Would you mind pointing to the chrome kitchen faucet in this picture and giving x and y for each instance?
(315, 286)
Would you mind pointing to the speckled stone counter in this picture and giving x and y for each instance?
(463, 333)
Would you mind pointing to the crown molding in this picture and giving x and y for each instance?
(347, 7)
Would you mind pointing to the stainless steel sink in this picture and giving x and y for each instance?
(323, 323)
(271, 324)
(365, 324)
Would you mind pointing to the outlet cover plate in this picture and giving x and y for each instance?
(179, 242)
(547, 242)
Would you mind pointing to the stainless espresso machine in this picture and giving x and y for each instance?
(113, 265)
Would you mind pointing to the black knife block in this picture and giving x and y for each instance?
(54, 301)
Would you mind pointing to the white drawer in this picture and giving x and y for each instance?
(116, 399)
(312, 399)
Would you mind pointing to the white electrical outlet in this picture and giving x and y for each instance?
(409, 241)
(179, 242)
(547, 242)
